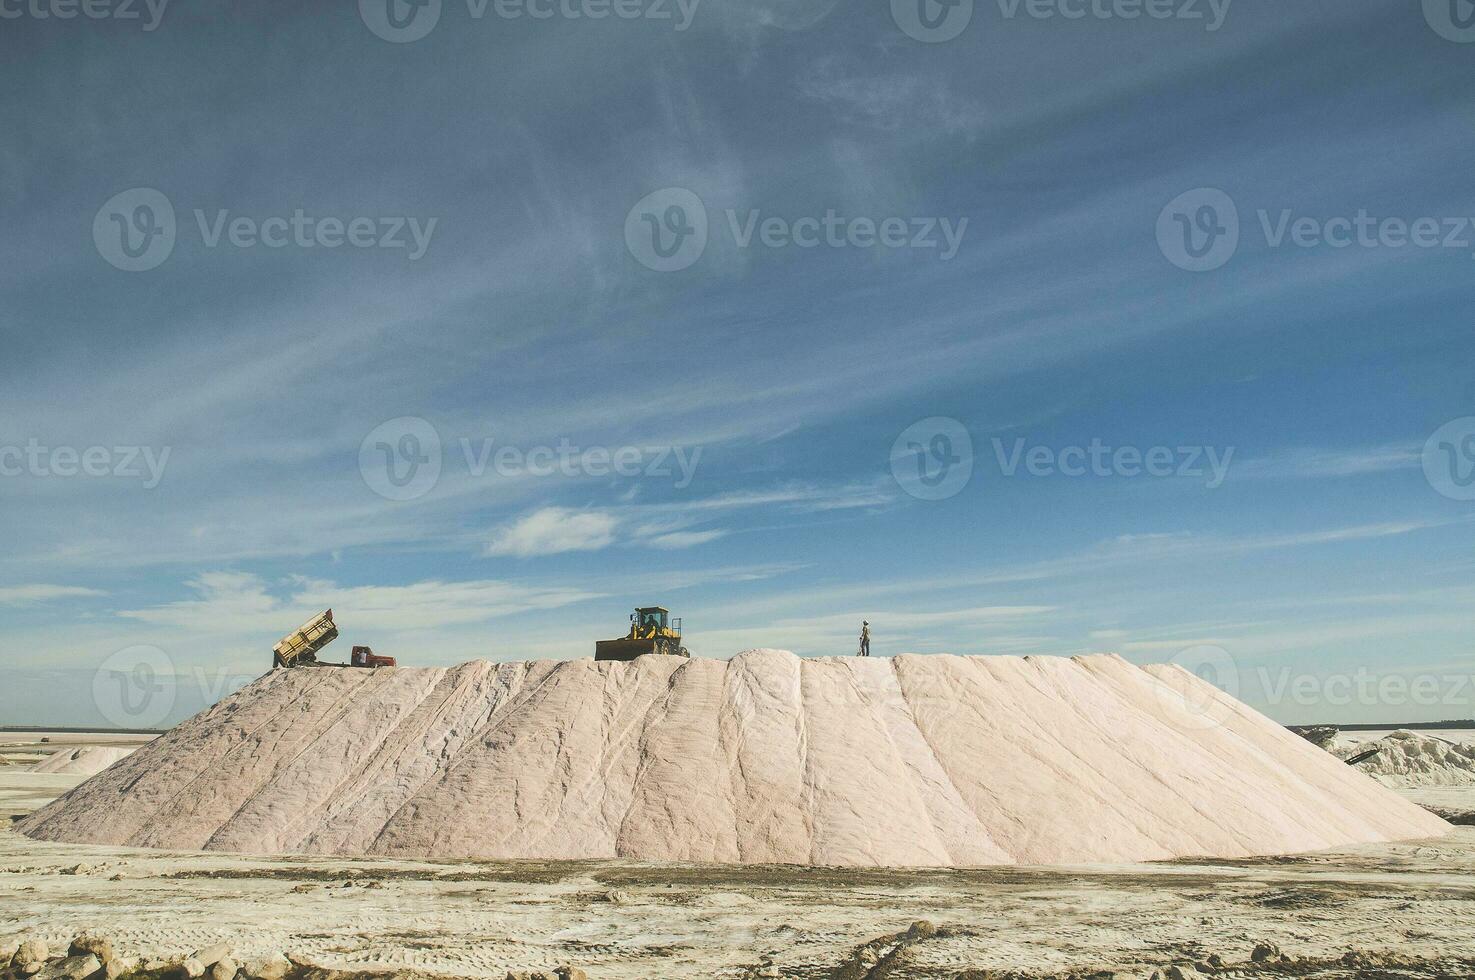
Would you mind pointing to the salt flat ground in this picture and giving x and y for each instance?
(28, 748)
(1411, 903)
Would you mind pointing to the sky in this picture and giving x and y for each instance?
(1008, 330)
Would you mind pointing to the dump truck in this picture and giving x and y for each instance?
(300, 647)
(652, 630)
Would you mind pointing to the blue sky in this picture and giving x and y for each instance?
(781, 375)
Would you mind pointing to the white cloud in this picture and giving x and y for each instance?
(669, 579)
(436, 604)
(236, 604)
(683, 539)
(804, 497)
(1116, 558)
(1132, 549)
(1325, 463)
(28, 595)
(553, 531)
(1174, 646)
(665, 526)
(891, 102)
(228, 601)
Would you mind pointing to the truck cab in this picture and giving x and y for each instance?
(365, 657)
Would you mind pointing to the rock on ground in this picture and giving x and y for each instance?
(99, 946)
(767, 758)
(31, 956)
(273, 967)
(70, 968)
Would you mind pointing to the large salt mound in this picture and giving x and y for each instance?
(1410, 759)
(916, 760)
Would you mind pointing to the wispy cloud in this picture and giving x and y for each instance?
(791, 368)
(29, 595)
(1122, 558)
(665, 526)
(243, 605)
(670, 579)
(1330, 463)
(683, 539)
(554, 531)
(910, 101)
(802, 497)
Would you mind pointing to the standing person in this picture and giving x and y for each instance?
(865, 638)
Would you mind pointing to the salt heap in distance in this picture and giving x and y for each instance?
(766, 758)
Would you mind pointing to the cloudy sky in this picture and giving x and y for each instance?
(484, 322)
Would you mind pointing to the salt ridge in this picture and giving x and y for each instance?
(767, 758)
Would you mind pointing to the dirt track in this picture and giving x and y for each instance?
(1413, 902)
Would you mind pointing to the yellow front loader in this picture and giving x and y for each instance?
(651, 631)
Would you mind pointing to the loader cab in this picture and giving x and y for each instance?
(651, 620)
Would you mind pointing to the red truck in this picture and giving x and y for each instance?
(364, 657)
(300, 648)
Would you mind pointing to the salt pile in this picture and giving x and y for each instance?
(916, 760)
(1410, 759)
(86, 761)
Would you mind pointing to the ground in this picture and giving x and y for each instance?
(1403, 910)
